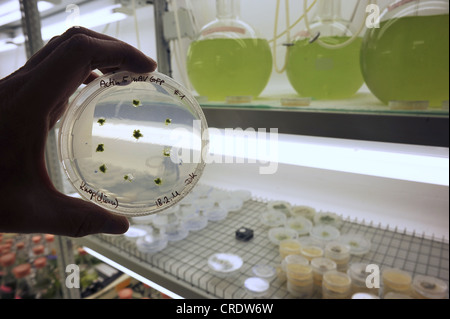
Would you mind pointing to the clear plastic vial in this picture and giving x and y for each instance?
(289, 247)
(428, 287)
(358, 274)
(339, 253)
(299, 276)
(320, 266)
(396, 280)
(336, 285)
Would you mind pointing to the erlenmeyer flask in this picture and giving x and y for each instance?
(228, 58)
(323, 61)
(407, 58)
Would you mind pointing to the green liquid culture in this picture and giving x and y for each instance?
(322, 73)
(407, 59)
(223, 67)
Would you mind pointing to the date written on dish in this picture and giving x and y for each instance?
(126, 79)
(166, 199)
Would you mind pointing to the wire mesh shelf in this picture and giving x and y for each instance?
(185, 262)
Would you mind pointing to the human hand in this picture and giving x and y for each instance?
(32, 99)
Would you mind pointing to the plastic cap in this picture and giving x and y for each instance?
(22, 270)
(36, 239)
(49, 238)
(126, 293)
(7, 259)
(39, 249)
(40, 262)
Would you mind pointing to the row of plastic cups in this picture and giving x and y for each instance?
(402, 285)
(337, 252)
(274, 208)
(305, 278)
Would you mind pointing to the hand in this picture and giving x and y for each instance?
(32, 99)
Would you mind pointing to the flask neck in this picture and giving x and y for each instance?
(328, 10)
(227, 9)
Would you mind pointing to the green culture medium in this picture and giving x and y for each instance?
(225, 67)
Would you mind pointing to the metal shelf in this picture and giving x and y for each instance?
(182, 266)
(359, 118)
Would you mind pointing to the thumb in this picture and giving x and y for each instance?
(76, 218)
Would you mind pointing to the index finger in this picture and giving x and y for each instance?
(71, 62)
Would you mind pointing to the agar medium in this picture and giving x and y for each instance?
(133, 143)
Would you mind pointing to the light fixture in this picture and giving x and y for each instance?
(424, 164)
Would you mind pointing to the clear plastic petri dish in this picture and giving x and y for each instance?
(133, 143)
(225, 264)
(256, 286)
(359, 245)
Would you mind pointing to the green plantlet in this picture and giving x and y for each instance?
(100, 148)
(102, 168)
(137, 134)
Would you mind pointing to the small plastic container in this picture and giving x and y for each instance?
(231, 204)
(303, 211)
(396, 295)
(339, 253)
(256, 286)
(143, 220)
(271, 218)
(320, 266)
(359, 245)
(299, 276)
(364, 295)
(280, 206)
(311, 251)
(327, 218)
(358, 274)
(216, 213)
(192, 219)
(325, 233)
(336, 285)
(134, 233)
(278, 234)
(204, 204)
(264, 271)
(396, 280)
(133, 143)
(152, 243)
(225, 264)
(428, 287)
(176, 231)
(289, 247)
(300, 224)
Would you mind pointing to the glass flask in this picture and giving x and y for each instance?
(229, 59)
(407, 57)
(323, 60)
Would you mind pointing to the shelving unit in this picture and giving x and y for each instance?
(182, 266)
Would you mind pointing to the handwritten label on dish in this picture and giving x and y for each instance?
(98, 196)
(127, 79)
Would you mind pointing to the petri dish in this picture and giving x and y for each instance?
(225, 264)
(256, 286)
(359, 245)
(133, 143)
(325, 233)
(264, 271)
(278, 234)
